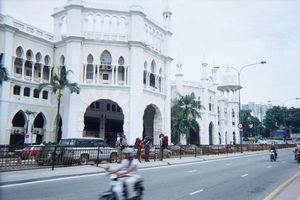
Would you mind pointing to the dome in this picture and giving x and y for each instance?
(228, 78)
(228, 81)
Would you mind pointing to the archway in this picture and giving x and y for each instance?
(103, 118)
(18, 131)
(152, 123)
(210, 130)
(194, 134)
(38, 128)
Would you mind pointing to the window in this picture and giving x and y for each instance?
(105, 77)
(17, 90)
(108, 107)
(118, 109)
(45, 94)
(152, 80)
(36, 93)
(26, 92)
(97, 105)
(113, 108)
(233, 123)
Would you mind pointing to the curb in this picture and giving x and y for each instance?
(279, 189)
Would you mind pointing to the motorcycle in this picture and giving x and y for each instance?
(118, 190)
(272, 156)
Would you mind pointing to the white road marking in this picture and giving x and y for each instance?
(192, 193)
(49, 180)
(244, 175)
(228, 164)
(269, 166)
(191, 171)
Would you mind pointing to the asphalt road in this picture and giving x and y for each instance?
(246, 177)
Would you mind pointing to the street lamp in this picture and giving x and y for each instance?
(239, 71)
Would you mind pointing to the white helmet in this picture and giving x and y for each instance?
(129, 151)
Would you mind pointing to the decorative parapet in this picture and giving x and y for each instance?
(26, 28)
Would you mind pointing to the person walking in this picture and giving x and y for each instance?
(118, 145)
(161, 147)
(147, 144)
(138, 147)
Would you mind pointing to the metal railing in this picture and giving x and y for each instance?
(51, 156)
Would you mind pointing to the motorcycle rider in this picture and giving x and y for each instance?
(128, 169)
(274, 149)
(297, 151)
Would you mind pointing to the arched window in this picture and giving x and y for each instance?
(17, 90)
(28, 63)
(152, 80)
(90, 67)
(19, 60)
(105, 60)
(38, 66)
(145, 77)
(46, 68)
(153, 67)
(36, 93)
(26, 92)
(233, 113)
(45, 94)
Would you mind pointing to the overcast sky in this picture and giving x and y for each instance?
(222, 33)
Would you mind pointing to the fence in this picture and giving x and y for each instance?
(51, 156)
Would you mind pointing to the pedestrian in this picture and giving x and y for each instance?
(147, 144)
(138, 146)
(118, 145)
(161, 147)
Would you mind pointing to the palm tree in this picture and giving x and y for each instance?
(57, 84)
(187, 110)
(3, 71)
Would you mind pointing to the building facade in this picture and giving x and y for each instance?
(118, 57)
(219, 118)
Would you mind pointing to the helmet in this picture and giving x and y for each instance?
(129, 151)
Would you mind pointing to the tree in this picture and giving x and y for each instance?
(185, 111)
(3, 71)
(275, 118)
(251, 125)
(57, 84)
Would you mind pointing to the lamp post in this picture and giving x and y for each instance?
(239, 71)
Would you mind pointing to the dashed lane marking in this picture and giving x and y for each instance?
(198, 191)
(192, 171)
(244, 175)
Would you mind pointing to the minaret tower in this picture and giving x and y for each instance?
(167, 17)
(179, 78)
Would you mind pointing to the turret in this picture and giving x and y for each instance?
(167, 17)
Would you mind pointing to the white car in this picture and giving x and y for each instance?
(85, 149)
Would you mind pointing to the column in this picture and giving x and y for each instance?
(113, 75)
(5, 125)
(117, 74)
(125, 75)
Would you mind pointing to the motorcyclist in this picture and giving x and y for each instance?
(297, 151)
(274, 149)
(127, 170)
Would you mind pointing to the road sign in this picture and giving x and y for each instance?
(240, 125)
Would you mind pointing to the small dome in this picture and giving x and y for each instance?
(228, 78)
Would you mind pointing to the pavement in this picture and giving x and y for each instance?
(289, 190)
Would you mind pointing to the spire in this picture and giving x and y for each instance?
(167, 16)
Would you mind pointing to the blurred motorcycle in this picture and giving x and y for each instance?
(118, 190)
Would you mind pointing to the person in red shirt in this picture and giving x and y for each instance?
(297, 153)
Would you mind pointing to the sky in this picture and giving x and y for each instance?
(224, 33)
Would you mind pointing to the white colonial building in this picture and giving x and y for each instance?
(219, 118)
(118, 56)
(120, 59)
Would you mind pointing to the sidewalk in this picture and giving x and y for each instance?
(289, 190)
(22, 176)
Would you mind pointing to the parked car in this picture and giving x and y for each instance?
(30, 152)
(47, 155)
(154, 153)
(85, 149)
